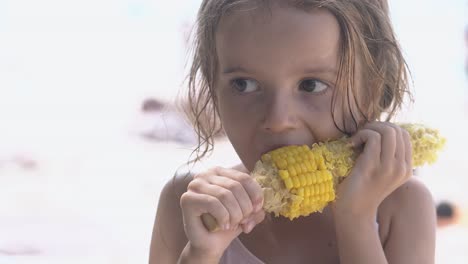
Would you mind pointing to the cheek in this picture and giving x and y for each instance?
(317, 109)
(234, 107)
(347, 114)
(237, 114)
(239, 120)
(317, 114)
(230, 112)
(316, 104)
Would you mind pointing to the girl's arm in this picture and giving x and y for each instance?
(411, 237)
(169, 243)
(413, 224)
(168, 239)
(179, 236)
(381, 181)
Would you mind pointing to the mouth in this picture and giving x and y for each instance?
(277, 146)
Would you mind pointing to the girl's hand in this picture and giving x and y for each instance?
(384, 164)
(234, 198)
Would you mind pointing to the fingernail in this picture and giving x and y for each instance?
(250, 226)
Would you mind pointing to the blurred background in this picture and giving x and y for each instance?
(89, 133)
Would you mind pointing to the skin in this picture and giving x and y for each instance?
(271, 93)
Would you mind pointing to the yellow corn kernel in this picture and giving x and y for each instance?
(292, 171)
(284, 174)
(301, 192)
(282, 164)
(309, 177)
(322, 188)
(296, 182)
(289, 183)
(302, 180)
(312, 190)
(298, 168)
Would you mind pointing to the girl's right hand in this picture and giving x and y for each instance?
(232, 197)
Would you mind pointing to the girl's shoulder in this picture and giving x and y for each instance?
(178, 183)
(168, 238)
(409, 196)
(408, 209)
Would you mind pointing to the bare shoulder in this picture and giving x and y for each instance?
(408, 221)
(177, 185)
(411, 194)
(168, 239)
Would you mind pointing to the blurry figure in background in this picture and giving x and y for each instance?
(447, 214)
(25, 162)
(152, 104)
(163, 123)
(18, 250)
(21, 161)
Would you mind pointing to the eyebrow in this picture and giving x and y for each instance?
(229, 70)
(322, 70)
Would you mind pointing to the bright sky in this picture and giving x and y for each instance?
(73, 71)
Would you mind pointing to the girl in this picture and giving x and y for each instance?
(274, 73)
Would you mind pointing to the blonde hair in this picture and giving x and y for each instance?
(365, 30)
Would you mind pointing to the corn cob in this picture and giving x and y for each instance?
(298, 180)
(426, 142)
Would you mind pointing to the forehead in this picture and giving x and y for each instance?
(285, 38)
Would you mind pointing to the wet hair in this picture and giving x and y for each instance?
(367, 39)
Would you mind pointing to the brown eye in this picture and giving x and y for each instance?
(312, 86)
(244, 85)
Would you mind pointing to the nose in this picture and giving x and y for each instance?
(280, 115)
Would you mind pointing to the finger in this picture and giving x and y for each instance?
(408, 151)
(253, 221)
(258, 217)
(403, 152)
(225, 196)
(371, 141)
(237, 189)
(253, 216)
(195, 204)
(388, 140)
(400, 142)
(401, 168)
(253, 189)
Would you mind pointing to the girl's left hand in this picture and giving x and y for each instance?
(384, 164)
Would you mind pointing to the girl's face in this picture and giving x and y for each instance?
(275, 79)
